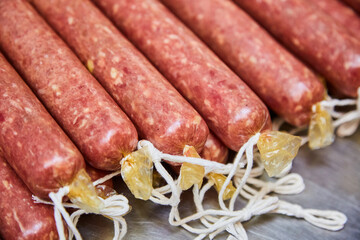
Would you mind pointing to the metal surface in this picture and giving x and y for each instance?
(332, 182)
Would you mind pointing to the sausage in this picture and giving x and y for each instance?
(355, 4)
(232, 111)
(159, 112)
(314, 36)
(30, 140)
(74, 98)
(285, 85)
(20, 217)
(215, 150)
(342, 14)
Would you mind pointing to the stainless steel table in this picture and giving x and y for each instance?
(332, 179)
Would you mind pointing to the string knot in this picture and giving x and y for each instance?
(269, 187)
(154, 154)
(298, 211)
(247, 214)
(326, 219)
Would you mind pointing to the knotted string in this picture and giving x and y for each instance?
(113, 207)
(243, 172)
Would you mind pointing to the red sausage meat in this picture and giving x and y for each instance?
(30, 140)
(20, 217)
(286, 85)
(232, 111)
(215, 150)
(159, 112)
(314, 36)
(342, 14)
(75, 99)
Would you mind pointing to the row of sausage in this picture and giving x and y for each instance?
(151, 99)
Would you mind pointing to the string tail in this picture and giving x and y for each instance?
(325, 219)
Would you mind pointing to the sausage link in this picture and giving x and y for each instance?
(342, 14)
(314, 36)
(31, 141)
(75, 99)
(20, 217)
(160, 113)
(286, 85)
(215, 150)
(232, 111)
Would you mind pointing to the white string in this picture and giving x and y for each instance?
(59, 209)
(293, 184)
(106, 178)
(346, 122)
(249, 156)
(213, 221)
(113, 207)
(226, 215)
(157, 156)
(326, 219)
(59, 224)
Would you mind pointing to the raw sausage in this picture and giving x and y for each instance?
(286, 85)
(20, 217)
(30, 140)
(75, 99)
(342, 14)
(232, 111)
(314, 36)
(160, 113)
(215, 150)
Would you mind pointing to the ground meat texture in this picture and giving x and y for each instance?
(314, 36)
(341, 13)
(75, 99)
(215, 150)
(286, 85)
(31, 141)
(355, 4)
(232, 111)
(20, 217)
(160, 113)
